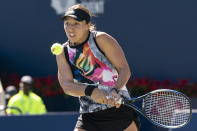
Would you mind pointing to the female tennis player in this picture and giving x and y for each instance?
(93, 67)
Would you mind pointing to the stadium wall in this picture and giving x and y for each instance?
(158, 37)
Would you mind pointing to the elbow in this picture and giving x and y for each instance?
(64, 85)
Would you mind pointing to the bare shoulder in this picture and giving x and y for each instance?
(103, 38)
(101, 34)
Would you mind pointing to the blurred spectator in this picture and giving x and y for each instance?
(25, 100)
(2, 100)
(9, 92)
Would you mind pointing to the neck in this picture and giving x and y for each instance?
(81, 41)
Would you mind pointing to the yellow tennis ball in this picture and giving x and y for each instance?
(56, 49)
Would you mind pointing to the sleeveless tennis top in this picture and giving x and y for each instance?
(90, 66)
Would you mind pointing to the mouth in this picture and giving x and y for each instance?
(71, 35)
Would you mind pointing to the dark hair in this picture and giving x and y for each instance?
(83, 8)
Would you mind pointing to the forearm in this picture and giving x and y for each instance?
(123, 77)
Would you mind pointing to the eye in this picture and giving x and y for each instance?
(71, 23)
(76, 23)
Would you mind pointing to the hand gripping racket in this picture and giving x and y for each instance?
(165, 108)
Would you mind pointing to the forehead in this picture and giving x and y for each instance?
(69, 18)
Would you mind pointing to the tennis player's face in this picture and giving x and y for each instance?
(76, 31)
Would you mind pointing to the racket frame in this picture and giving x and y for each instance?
(129, 102)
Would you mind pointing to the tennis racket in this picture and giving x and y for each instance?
(165, 108)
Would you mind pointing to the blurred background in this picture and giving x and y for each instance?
(157, 36)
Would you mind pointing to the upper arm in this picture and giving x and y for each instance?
(112, 50)
(64, 69)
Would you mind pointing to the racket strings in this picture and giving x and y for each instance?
(167, 108)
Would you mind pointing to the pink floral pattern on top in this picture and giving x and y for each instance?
(90, 67)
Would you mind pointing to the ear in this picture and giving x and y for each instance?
(88, 25)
